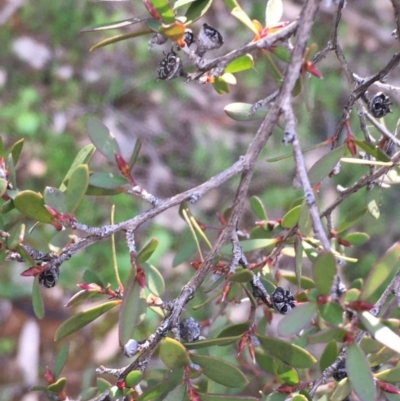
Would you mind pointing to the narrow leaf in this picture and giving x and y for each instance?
(325, 165)
(83, 157)
(77, 186)
(16, 150)
(297, 319)
(291, 217)
(113, 25)
(209, 343)
(82, 319)
(329, 355)
(37, 301)
(351, 218)
(220, 371)
(324, 270)
(258, 208)
(61, 359)
(145, 253)
(380, 332)
(107, 180)
(223, 397)
(118, 38)
(241, 63)
(196, 10)
(102, 138)
(273, 13)
(359, 373)
(381, 271)
(287, 352)
(56, 199)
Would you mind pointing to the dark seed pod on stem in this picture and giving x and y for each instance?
(282, 300)
(340, 373)
(208, 39)
(189, 329)
(170, 66)
(379, 105)
(48, 278)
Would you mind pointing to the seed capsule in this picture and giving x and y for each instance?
(379, 105)
(282, 300)
(48, 278)
(170, 66)
(189, 329)
(340, 373)
(208, 39)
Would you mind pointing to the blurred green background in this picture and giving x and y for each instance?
(50, 83)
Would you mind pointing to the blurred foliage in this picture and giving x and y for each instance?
(48, 106)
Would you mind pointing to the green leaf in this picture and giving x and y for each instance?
(359, 373)
(188, 248)
(241, 112)
(16, 236)
(356, 238)
(241, 276)
(241, 63)
(223, 397)
(380, 332)
(291, 217)
(241, 16)
(174, 354)
(131, 308)
(77, 186)
(276, 397)
(329, 355)
(209, 343)
(37, 301)
(31, 204)
(181, 3)
(83, 157)
(118, 38)
(113, 25)
(61, 359)
(234, 330)
(297, 319)
(154, 280)
(82, 319)
(273, 13)
(342, 390)
(96, 191)
(220, 85)
(252, 244)
(107, 180)
(145, 253)
(323, 336)
(287, 352)
(102, 384)
(16, 150)
(389, 375)
(287, 375)
(88, 394)
(102, 138)
(153, 393)
(133, 378)
(305, 282)
(58, 386)
(332, 313)
(305, 224)
(12, 177)
(383, 268)
(177, 394)
(196, 10)
(135, 153)
(372, 150)
(382, 356)
(324, 270)
(282, 53)
(56, 199)
(3, 186)
(220, 371)
(351, 218)
(325, 165)
(164, 9)
(299, 397)
(258, 208)
(90, 276)
(298, 250)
